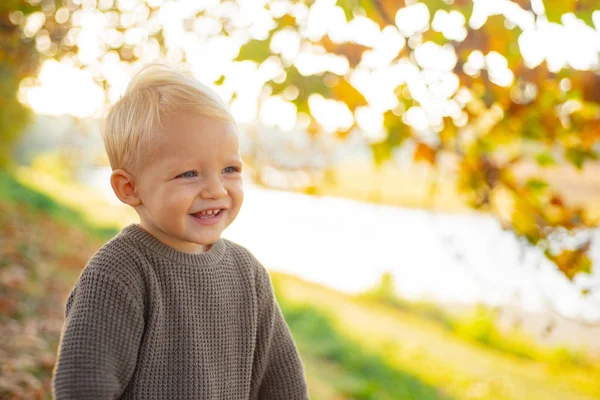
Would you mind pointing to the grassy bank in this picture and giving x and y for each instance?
(43, 246)
(465, 369)
(479, 324)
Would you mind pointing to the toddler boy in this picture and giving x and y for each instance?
(168, 309)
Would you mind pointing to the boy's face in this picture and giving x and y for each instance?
(195, 167)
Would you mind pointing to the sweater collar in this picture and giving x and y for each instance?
(212, 256)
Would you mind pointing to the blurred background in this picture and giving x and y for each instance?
(422, 180)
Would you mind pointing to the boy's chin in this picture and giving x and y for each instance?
(205, 240)
(196, 246)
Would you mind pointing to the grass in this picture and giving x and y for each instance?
(14, 193)
(478, 325)
(362, 374)
(87, 203)
(422, 348)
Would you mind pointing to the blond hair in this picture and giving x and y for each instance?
(133, 124)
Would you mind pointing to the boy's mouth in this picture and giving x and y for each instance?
(208, 217)
(207, 214)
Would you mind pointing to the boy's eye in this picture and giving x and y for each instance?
(231, 170)
(189, 174)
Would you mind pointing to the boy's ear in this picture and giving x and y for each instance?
(123, 186)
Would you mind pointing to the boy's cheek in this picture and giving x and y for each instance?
(240, 196)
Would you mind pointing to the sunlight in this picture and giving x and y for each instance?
(497, 67)
(62, 90)
(451, 25)
(324, 17)
(277, 112)
(331, 114)
(210, 55)
(413, 19)
(371, 122)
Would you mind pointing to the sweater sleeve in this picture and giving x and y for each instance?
(278, 371)
(98, 348)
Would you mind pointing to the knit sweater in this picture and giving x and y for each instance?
(147, 321)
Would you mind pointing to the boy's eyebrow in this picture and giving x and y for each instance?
(182, 165)
(177, 166)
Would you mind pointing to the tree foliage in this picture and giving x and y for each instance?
(529, 111)
(18, 59)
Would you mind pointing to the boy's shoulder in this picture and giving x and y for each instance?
(119, 258)
(245, 259)
(240, 253)
(117, 263)
(242, 256)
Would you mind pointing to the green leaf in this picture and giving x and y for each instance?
(585, 265)
(220, 80)
(545, 159)
(348, 6)
(397, 134)
(583, 9)
(577, 156)
(536, 185)
(255, 50)
(306, 85)
(556, 8)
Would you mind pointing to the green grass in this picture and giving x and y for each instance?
(465, 369)
(366, 375)
(480, 325)
(13, 193)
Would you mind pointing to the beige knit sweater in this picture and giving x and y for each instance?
(146, 321)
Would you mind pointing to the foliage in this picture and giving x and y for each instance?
(501, 126)
(18, 59)
(489, 123)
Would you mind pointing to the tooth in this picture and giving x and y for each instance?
(209, 212)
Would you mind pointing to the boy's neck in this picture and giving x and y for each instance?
(186, 247)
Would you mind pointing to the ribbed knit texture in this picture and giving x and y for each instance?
(146, 321)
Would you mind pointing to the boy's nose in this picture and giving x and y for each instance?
(213, 189)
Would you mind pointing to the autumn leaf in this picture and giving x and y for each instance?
(424, 152)
(347, 93)
(572, 262)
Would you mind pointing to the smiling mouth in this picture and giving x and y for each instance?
(207, 215)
